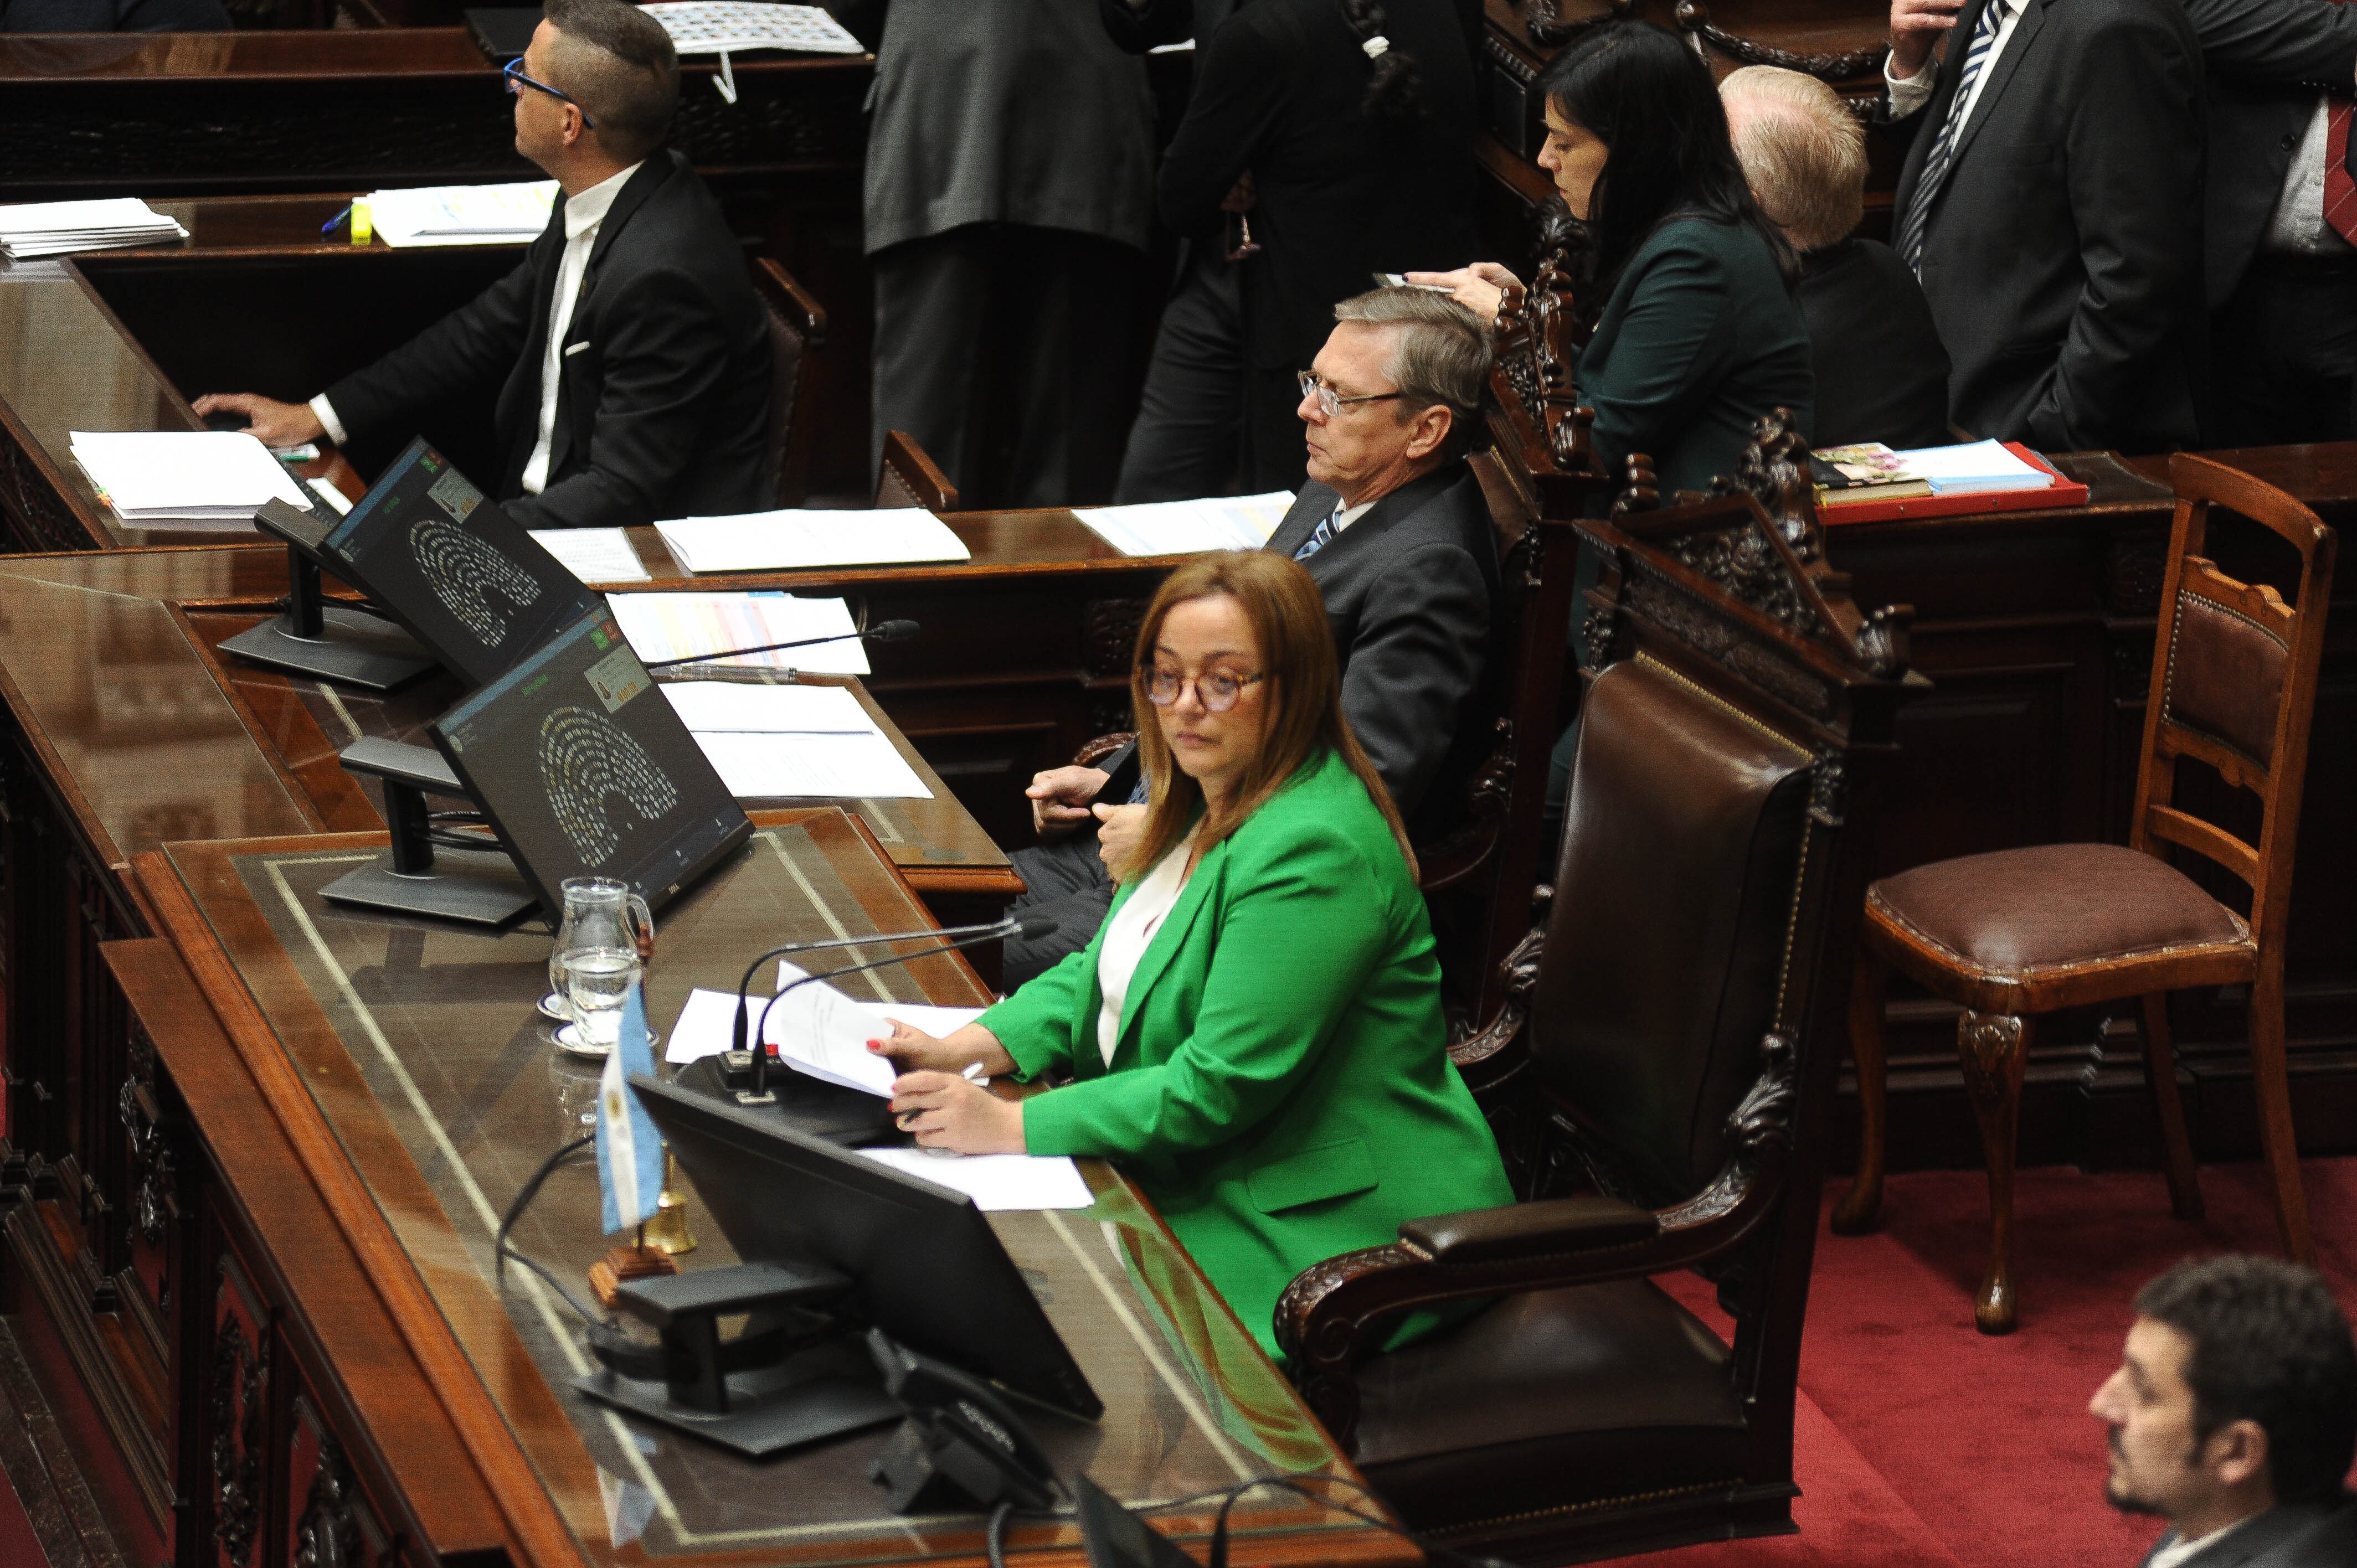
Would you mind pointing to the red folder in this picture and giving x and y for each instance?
(2061, 493)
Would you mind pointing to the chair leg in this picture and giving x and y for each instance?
(1994, 1048)
(2271, 1081)
(1861, 1208)
(2176, 1145)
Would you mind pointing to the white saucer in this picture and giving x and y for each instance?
(552, 1008)
(569, 1041)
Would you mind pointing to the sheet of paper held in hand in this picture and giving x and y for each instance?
(1189, 528)
(823, 1032)
(793, 742)
(685, 626)
(795, 538)
(594, 554)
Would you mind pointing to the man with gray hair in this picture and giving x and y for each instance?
(1393, 527)
(1882, 374)
(628, 352)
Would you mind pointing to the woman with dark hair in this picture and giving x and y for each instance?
(1255, 1033)
(1326, 140)
(1699, 333)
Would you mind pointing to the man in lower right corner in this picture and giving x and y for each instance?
(2233, 1416)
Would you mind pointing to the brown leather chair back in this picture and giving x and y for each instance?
(797, 327)
(1674, 899)
(2234, 684)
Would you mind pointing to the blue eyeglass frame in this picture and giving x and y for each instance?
(515, 76)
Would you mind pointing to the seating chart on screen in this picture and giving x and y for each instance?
(586, 758)
(463, 570)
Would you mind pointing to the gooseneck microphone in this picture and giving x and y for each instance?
(1030, 928)
(882, 631)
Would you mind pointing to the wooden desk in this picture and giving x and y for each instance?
(322, 1118)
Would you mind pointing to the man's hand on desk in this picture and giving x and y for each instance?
(272, 422)
(1061, 797)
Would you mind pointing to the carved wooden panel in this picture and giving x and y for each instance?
(153, 1208)
(328, 1521)
(239, 1451)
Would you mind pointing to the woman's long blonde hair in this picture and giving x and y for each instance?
(1301, 702)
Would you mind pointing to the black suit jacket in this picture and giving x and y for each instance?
(1411, 591)
(663, 408)
(1882, 374)
(1137, 26)
(1278, 92)
(2063, 259)
(2269, 60)
(2289, 1535)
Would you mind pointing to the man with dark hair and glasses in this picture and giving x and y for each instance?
(1394, 528)
(2233, 1416)
(629, 355)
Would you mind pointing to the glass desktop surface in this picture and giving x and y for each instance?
(421, 1047)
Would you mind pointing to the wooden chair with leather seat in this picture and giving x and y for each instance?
(908, 476)
(1676, 1022)
(2012, 934)
(797, 327)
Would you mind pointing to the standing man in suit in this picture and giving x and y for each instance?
(2281, 214)
(1881, 373)
(1009, 191)
(1394, 529)
(2050, 202)
(2233, 1416)
(632, 354)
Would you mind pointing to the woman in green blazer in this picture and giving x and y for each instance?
(1256, 1033)
(1699, 332)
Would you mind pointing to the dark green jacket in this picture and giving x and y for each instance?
(1282, 1088)
(1699, 337)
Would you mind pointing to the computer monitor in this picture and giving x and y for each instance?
(453, 568)
(472, 591)
(583, 770)
(925, 1265)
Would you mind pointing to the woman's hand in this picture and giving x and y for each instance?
(1480, 288)
(946, 1111)
(913, 1051)
(1119, 829)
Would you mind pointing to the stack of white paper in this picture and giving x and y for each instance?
(695, 626)
(594, 554)
(1189, 528)
(794, 538)
(708, 26)
(817, 1029)
(54, 228)
(462, 214)
(1978, 468)
(184, 477)
(793, 742)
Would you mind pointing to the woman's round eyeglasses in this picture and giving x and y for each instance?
(1215, 689)
(518, 81)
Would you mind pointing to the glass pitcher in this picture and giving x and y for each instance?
(599, 912)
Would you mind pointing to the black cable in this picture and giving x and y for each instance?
(995, 1539)
(1228, 1495)
(501, 1250)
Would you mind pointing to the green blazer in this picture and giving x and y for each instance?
(1281, 1087)
(1699, 337)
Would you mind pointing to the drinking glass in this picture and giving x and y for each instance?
(597, 984)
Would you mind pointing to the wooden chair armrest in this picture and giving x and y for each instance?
(1560, 1226)
(1103, 745)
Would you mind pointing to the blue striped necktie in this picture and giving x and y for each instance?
(1918, 218)
(1327, 527)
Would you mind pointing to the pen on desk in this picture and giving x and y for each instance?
(330, 226)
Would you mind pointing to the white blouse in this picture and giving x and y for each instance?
(1128, 933)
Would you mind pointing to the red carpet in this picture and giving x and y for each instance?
(1920, 1441)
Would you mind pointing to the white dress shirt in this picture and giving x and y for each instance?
(1912, 92)
(2298, 228)
(1351, 514)
(1127, 934)
(583, 214)
(2176, 1552)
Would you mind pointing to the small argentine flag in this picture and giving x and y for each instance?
(629, 1150)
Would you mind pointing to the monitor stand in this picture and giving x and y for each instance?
(479, 886)
(330, 642)
(759, 1393)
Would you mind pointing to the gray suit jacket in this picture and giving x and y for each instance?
(2289, 1535)
(1410, 591)
(2268, 61)
(1005, 111)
